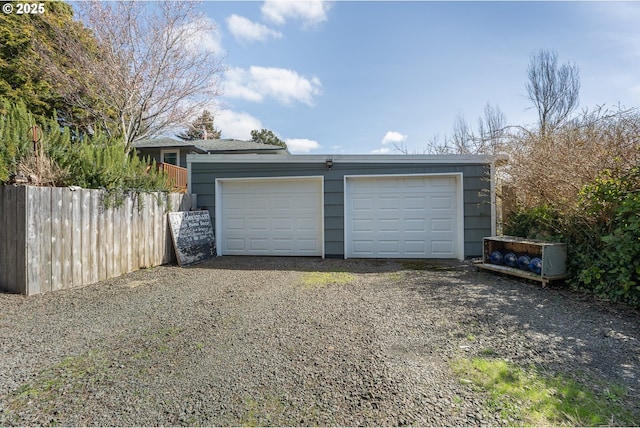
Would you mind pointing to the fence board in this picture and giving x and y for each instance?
(76, 237)
(85, 236)
(108, 242)
(148, 242)
(4, 241)
(102, 240)
(56, 238)
(158, 243)
(21, 236)
(135, 233)
(94, 256)
(115, 254)
(44, 201)
(9, 254)
(127, 239)
(33, 214)
(67, 236)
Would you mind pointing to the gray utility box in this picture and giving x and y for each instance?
(552, 254)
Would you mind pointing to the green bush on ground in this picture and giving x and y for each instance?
(602, 233)
(95, 162)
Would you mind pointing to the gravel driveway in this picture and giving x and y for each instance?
(294, 341)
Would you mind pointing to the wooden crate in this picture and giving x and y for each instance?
(552, 254)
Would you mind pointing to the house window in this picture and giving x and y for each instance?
(170, 156)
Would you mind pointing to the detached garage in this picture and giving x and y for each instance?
(347, 206)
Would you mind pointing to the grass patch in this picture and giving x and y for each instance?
(395, 276)
(530, 397)
(73, 375)
(311, 280)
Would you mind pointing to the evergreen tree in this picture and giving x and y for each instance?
(264, 136)
(36, 63)
(201, 128)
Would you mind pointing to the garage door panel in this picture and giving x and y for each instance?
(446, 182)
(389, 246)
(363, 246)
(282, 244)
(389, 225)
(234, 244)
(307, 224)
(441, 203)
(410, 216)
(235, 223)
(414, 202)
(388, 203)
(442, 248)
(271, 216)
(309, 246)
(415, 247)
(257, 224)
(363, 203)
(282, 225)
(233, 203)
(362, 225)
(413, 183)
(442, 225)
(258, 244)
(415, 225)
(257, 203)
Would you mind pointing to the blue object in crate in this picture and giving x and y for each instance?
(510, 259)
(496, 258)
(523, 262)
(535, 265)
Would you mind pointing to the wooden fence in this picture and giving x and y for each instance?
(53, 238)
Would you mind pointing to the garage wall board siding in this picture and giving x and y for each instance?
(476, 195)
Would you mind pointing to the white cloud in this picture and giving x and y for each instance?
(234, 124)
(393, 137)
(245, 30)
(258, 83)
(301, 145)
(310, 12)
(382, 151)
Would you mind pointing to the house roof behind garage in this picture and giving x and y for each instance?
(217, 146)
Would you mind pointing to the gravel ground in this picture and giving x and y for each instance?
(274, 341)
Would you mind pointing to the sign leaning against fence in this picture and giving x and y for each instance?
(192, 236)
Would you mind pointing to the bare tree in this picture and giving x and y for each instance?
(153, 72)
(489, 139)
(553, 90)
(491, 130)
(462, 138)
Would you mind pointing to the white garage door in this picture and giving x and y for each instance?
(417, 216)
(270, 216)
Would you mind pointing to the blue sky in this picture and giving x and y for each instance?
(358, 77)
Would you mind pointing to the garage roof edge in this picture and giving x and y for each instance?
(262, 158)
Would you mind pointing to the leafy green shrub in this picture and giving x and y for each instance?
(602, 234)
(541, 222)
(90, 162)
(609, 260)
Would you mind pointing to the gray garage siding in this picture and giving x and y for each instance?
(477, 206)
